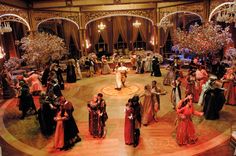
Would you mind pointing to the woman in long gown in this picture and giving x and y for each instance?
(148, 63)
(59, 133)
(147, 106)
(70, 72)
(185, 131)
(169, 76)
(156, 92)
(105, 66)
(93, 117)
(129, 123)
(230, 86)
(57, 69)
(121, 75)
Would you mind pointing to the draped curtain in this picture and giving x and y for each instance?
(71, 31)
(143, 28)
(104, 33)
(135, 31)
(164, 35)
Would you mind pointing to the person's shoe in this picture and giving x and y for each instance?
(78, 139)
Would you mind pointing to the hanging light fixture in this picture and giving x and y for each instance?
(5, 27)
(2, 54)
(136, 24)
(101, 27)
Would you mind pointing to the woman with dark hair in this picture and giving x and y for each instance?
(185, 131)
(129, 124)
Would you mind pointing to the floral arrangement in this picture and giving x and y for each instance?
(41, 48)
(201, 39)
(12, 63)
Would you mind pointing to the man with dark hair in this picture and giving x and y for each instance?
(137, 119)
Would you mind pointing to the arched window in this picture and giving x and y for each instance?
(101, 47)
(120, 43)
(139, 44)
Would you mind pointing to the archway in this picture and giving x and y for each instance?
(9, 40)
(177, 12)
(123, 33)
(168, 23)
(218, 9)
(55, 18)
(14, 18)
(64, 28)
(112, 15)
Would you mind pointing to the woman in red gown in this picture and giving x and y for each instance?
(59, 133)
(229, 84)
(185, 132)
(129, 123)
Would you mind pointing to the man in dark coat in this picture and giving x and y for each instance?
(70, 128)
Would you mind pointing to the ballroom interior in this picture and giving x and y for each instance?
(34, 33)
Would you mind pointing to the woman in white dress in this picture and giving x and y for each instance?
(121, 75)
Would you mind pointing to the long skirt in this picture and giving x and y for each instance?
(59, 135)
(185, 132)
(169, 78)
(129, 129)
(147, 110)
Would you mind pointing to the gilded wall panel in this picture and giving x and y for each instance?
(90, 16)
(215, 3)
(5, 9)
(39, 16)
(197, 8)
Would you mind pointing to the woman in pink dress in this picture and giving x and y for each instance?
(229, 84)
(185, 132)
(129, 123)
(59, 133)
(36, 86)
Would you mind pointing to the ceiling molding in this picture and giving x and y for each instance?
(15, 3)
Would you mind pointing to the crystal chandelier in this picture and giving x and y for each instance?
(228, 14)
(136, 24)
(2, 54)
(101, 27)
(5, 27)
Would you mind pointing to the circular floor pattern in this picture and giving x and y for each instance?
(156, 139)
(129, 89)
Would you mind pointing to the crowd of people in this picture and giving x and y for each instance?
(55, 113)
